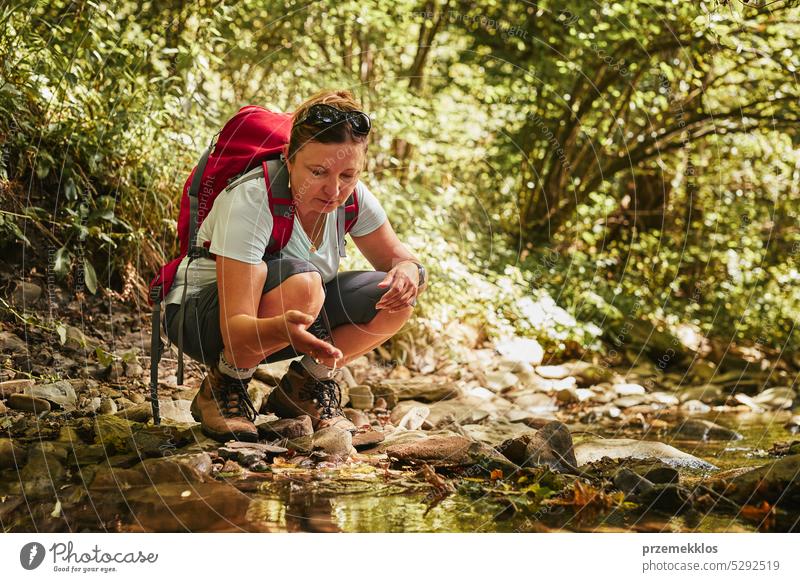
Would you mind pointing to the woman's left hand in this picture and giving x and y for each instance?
(403, 283)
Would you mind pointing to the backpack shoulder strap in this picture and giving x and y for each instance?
(281, 205)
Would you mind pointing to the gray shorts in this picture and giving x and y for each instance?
(349, 298)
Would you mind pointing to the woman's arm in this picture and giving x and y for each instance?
(385, 251)
(245, 335)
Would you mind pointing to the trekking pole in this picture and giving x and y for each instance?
(155, 351)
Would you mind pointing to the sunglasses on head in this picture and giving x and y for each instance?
(324, 116)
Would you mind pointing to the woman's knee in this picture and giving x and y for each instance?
(301, 290)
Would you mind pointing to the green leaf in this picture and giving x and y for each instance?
(90, 277)
(62, 261)
(62, 333)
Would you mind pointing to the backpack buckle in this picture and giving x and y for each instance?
(155, 292)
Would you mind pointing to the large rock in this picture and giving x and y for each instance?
(550, 446)
(12, 455)
(594, 450)
(11, 343)
(705, 430)
(61, 393)
(333, 441)
(420, 388)
(521, 350)
(775, 482)
(447, 451)
(290, 428)
(458, 411)
(10, 387)
(28, 403)
(493, 433)
(176, 411)
(26, 293)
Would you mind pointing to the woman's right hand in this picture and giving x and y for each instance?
(294, 326)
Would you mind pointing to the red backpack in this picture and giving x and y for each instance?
(253, 137)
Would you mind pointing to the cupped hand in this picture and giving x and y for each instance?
(295, 324)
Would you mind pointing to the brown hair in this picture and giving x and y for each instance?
(339, 133)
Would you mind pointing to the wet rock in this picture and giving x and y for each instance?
(333, 441)
(10, 387)
(550, 446)
(113, 432)
(60, 393)
(45, 469)
(290, 428)
(630, 483)
(157, 441)
(493, 433)
(3, 409)
(247, 454)
(361, 397)
(774, 482)
(594, 450)
(397, 437)
(667, 497)
(414, 418)
(28, 403)
(776, 398)
(661, 474)
(704, 430)
(445, 451)
(136, 413)
(357, 417)
(419, 388)
(368, 439)
(152, 474)
(11, 343)
(26, 293)
(12, 455)
(521, 350)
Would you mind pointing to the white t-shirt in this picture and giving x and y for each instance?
(239, 226)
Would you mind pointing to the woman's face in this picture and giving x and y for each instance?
(323, 175)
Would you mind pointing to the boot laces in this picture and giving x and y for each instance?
(326, 393)
(234, 399)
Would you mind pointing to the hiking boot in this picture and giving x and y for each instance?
(224, 409)
(301, 393)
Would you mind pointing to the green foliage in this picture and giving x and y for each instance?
(548, 161)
